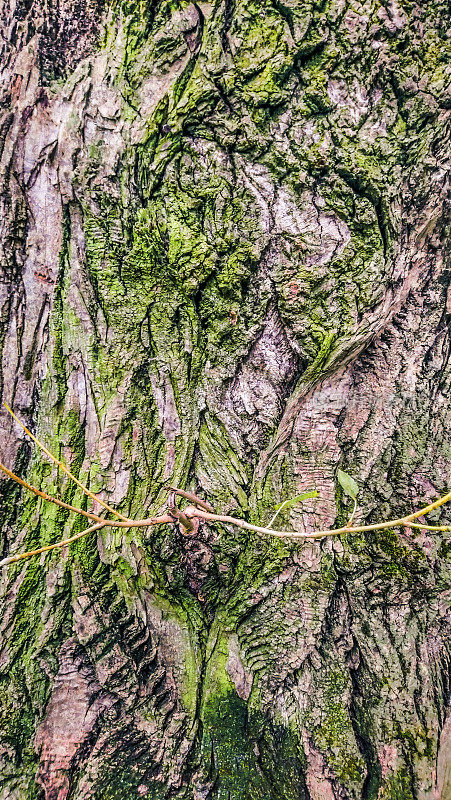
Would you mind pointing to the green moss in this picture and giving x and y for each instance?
(119, 782)
(334, 734)
(398, 787)
(18, 728)
(173, 288)
(147, 261)
(33, 640)
(398, 560)
(417, 740)
(227, 474)
(328, 571)
(317, 367)
(251, 758)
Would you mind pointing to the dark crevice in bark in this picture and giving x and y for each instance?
(288, 111)
(229, 9)
(360, 185)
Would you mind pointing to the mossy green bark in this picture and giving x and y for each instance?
(245, 290)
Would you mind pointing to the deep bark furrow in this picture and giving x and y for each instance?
(224, 268)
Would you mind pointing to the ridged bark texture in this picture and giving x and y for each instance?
(223, 267)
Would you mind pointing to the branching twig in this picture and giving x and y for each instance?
(403, 522)
(201, 510)
(139, 523)
(48, 497)
(281, 507)
(64, 468)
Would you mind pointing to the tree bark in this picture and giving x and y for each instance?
(223, 267)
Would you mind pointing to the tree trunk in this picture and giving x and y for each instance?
(222, 237)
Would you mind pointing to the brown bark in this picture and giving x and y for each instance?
(224, 268)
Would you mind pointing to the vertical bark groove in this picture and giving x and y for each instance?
(224, 267)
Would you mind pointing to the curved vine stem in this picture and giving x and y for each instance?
(64, 468)
(63, 543)
(281, 507)
(351, 518)
(403, 522)
(192, 512)
(48, 497)
(200, 510)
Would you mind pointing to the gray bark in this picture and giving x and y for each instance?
(223, 266)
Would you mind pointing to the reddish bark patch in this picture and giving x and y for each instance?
(72, 714)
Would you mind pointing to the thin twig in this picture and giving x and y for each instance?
(139, 523)
(429, 527)
(48, 497)
(193, 498)
(63, 543)
(431, 507)
(271, 522)
(195, 512)
(351, 518)
(64, 468)
(395, 523)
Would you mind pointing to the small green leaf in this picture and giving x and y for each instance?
(293, 501)
(348, 484)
